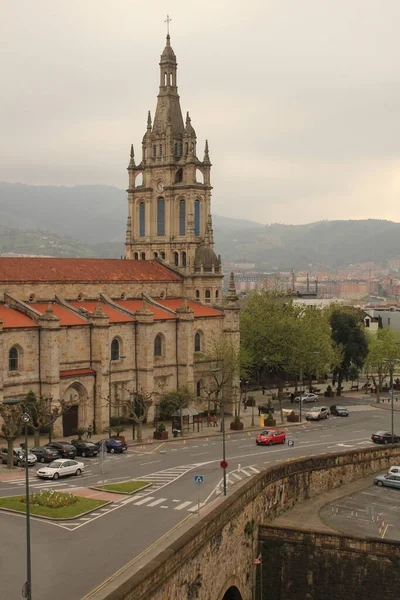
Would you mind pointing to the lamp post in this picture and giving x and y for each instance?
(220, 386)
(392, 362)
(27, 589)
(120, 357)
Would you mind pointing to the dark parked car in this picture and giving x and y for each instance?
(112, 445)
(384, 437)
(86, 448)
(18, 457)
(65, 449)
(45, 454)
(339, 411)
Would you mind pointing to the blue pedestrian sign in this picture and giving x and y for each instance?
(198, 479)
(290, 443)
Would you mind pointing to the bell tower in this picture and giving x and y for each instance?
(169, 194)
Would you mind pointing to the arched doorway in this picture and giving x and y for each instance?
(232, 594)
(75, 396)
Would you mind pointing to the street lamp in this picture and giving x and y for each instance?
(27, 589)
(392, 362)
(221, 386)
(120, 357)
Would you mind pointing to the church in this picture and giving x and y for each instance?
(91, 329)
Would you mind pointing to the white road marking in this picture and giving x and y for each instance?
(152, 462)
(144, 500)
(183, 505)
(199, 453)
(157, 502)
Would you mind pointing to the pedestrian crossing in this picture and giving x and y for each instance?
(235, 476)
(165, 503)
(160, 479)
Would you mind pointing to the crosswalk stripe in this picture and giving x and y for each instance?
(196, 507)
(144, 500)
(157, 502)
(183, 505)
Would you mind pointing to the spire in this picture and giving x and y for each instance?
(232, 296)
(148, 120)
(168, 100)
(132, 158)
(206, 154)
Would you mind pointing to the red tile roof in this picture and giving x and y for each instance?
(13, 318)
(114, 315)
(75, 372)
(200, 310)
(67, 317)
(134, 305)
(20, 269)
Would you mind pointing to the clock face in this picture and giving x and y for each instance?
(160, 187)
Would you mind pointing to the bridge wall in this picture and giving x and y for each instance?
(220, 548)
(324, 566)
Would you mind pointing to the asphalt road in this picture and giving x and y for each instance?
(70, 559)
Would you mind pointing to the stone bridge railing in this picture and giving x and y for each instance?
(218, 551)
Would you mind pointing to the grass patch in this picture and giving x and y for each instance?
(125, 487)
(65, 512)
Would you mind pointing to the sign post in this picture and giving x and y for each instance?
(290, 443)
(198, 480)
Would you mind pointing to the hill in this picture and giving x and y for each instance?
(90, 221)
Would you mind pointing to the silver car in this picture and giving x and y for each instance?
(60, 468)
(317, 413)
(388, 480)
(18, 457)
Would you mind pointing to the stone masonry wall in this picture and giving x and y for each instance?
(224, 543)
(297, 565)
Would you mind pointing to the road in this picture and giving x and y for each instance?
(71, 558)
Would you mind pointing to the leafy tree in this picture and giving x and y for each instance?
(348, 333)
(136, 408)
(10, 428)
(383, 354)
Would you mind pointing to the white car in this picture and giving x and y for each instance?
(317, 413)
(309, 397)
(60, 468)
(395, 470)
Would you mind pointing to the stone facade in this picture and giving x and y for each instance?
(59, 318)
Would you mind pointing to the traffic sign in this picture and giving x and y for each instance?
(223, 464)
(198, 479)
(290, 443)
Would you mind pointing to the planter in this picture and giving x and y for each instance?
(237, 426)
(293, 418)
(329, 394)
(160, 435)
(121, 438)
(269, 422)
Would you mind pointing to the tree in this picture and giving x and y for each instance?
(136, 409)
(176, 402)
(226, 362)
(43, 413)
(348, 333)
(383, 353)
(10, 428)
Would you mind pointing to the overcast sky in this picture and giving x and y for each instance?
(299, 99)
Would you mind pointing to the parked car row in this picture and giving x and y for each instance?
(18, 457)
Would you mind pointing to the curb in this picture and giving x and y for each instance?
(87, 512)
(99, 489)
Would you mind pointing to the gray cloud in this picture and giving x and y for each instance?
(298, 98)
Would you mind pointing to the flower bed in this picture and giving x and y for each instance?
(49, 506)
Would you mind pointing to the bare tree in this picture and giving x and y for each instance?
(10, 428)
(177, 401)
(43, 414)
(136, 408)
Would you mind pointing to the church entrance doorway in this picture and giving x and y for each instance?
(70, 421)
(232, 594)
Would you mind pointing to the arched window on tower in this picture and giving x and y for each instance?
(143, 256)
(142, 220)
(154, 150)
(197, 294)
(160, 216)
(160, 149)
(176, 259)
(181, 148)
(199, 385)
(216, 294)
(183, 256)
(197, 217)
(176, 149)
(163, 255)
(179, 176)
(207, 296)
(182, 217)
(136, 256)
(155, 254)
(158, 345)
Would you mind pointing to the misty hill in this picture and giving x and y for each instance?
(95, 215)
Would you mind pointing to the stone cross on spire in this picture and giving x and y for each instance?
(168, 21)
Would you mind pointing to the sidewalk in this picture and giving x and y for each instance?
(205, 431)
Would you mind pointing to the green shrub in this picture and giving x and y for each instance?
(51, 499)
(161, 427)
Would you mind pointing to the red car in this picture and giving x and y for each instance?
(272, 436)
